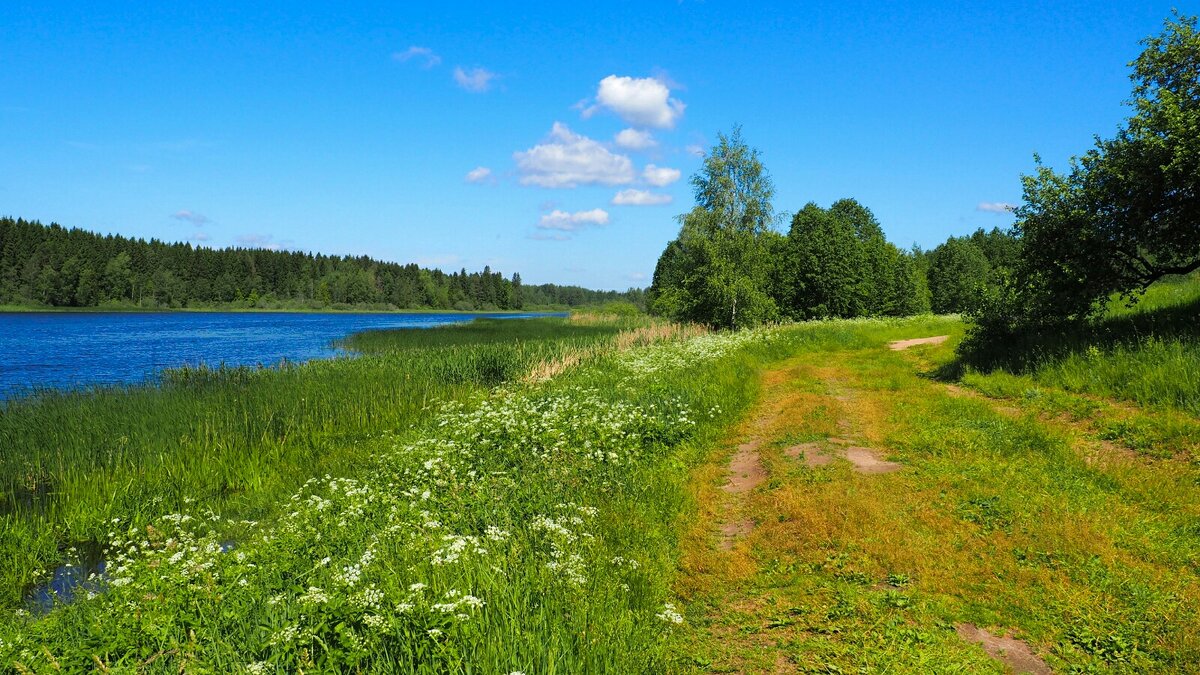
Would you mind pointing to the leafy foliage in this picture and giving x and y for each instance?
(730, 268)
(1127, 213)
(958, 273)
(838, 264)
(717, 271)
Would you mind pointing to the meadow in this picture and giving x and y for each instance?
(1051, 505)
(549, 496)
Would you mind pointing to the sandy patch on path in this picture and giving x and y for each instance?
(746, 471)
(866, 461)
(811, 453)
(1013, 653)
(732, 531)
(905, 344)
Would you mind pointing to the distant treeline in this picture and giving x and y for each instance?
(49, 265)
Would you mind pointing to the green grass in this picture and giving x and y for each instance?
(506, 332)
(426, 507)
(1003, 516)
(1147, 353)
(528, 527)
(234, 439)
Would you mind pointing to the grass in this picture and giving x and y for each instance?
(1147, 353)
(1006, 515)
(546, 497)
(522, 527)
(234, 439)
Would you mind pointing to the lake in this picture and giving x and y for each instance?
(80, 349)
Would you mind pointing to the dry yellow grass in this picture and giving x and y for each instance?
(1021, 523)
(655, 331)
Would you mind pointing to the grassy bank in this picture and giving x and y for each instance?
(526, 527)
(1147, 353)
(236, 439)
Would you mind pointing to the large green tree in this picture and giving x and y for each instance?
(958, 276)
(826, 266)
(1127, 213)
(718, 270)
(837, 263)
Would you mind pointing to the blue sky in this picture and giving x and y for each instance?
(471, 134)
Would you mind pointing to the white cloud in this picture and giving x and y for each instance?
(641, 101)
(425, 55)
(479, 174)
(571, 222)
(996, 207)
(476, 80)
(660, 176)
(567, 159)
(635, 139)
(633, 197)
(199, 237)
(258, 241)
(637, 276)
(695, 150)
(192, 217)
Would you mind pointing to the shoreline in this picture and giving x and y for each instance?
(17, 309)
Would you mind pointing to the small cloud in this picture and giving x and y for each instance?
(635, 139)
(633, 197)
(572, 222)
(265, 241)
(199, 237)
(660, 176)
(567, 160)
(424, 55)
(995, 207)
(476, 80)
(641, 101)
(480, 174)
(695, 150)
(197, 219)
(637, 276)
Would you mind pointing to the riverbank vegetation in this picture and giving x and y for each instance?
(446, 503)
(425, 506)
(53, 266)
(831, 486)
(234, 435)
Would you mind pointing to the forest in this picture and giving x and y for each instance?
(53, 266)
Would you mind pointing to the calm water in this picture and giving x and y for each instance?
(64, 350)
